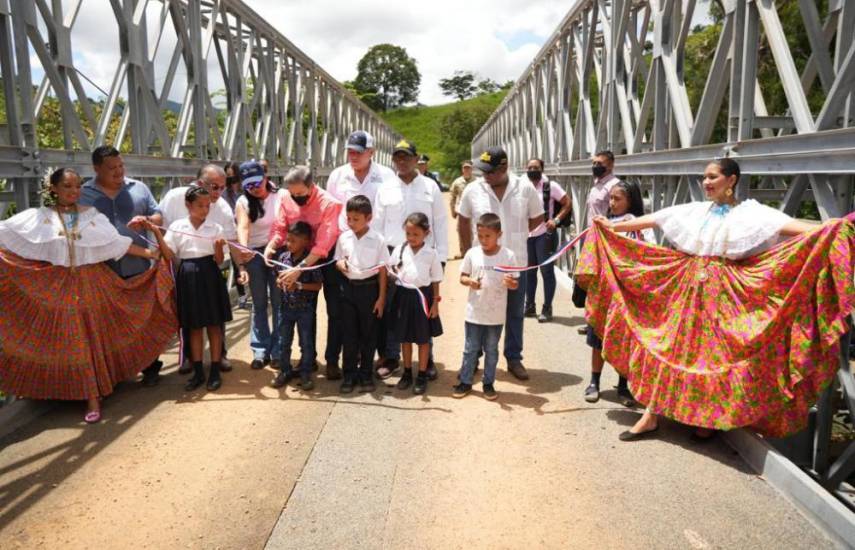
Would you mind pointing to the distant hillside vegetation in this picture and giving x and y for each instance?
(444, 132)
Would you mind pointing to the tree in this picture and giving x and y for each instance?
(461, 85)
(391, 74)
(487, 86)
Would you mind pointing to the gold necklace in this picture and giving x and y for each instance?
(70, 235)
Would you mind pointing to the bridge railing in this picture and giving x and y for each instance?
(669, 85)
(196, 80)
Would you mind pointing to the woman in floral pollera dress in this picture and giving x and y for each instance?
(733, 328)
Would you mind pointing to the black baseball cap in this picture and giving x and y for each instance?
(405, 146)
(491, 159)
(359, 141)
(424, 159)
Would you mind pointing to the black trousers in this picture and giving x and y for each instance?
(359, 327)
(332, 296)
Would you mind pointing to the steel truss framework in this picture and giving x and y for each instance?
(612, 77)
(279, 104)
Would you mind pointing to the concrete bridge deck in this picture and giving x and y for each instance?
(253, 467)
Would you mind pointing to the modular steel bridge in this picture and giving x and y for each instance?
(780, 99)
(270, 100)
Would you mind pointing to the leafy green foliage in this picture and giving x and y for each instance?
(391, 74)
(445, 132)
(461, 85)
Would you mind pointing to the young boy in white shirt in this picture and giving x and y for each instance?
(488, 298)
(363, 293)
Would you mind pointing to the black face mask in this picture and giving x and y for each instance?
(599, 170)
(534, 175)
(302, 200)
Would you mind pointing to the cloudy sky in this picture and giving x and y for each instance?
(497, 39)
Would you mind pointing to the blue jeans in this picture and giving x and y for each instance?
(477, 338)
(539, 249)
(265, 343)
(305, 321)
(514, 322)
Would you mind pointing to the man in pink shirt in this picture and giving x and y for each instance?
(598, 198)
(306, 202)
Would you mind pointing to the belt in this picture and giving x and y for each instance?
(364, 282)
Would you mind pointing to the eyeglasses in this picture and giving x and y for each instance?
(216, 187)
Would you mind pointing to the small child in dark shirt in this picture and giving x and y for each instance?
(299, 308)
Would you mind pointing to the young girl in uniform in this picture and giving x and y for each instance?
(203, 300)
(625, 203)
(415, 265)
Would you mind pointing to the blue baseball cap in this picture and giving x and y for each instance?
(251, 174)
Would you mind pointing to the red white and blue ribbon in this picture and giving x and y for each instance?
(547, 261)
(401, 282)
(282, 266)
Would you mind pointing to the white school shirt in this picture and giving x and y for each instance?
(173, 207)
(419, 269)
(487, 305)
(187, 247)
(556, 194)
(361, 253)
(519, 204)
(259, 230)
(396, 200)
(343, 185)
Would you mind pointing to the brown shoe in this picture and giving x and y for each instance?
(333, 372)
(518, 370)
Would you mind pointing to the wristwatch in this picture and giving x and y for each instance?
(302, 264)
(557, 220)
(299, 285)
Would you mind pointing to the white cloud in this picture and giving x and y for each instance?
(497, 39)
(442, 35)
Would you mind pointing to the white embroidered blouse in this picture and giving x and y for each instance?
(705, 229)
(42, 234)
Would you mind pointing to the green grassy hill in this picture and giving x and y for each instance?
(422, 125)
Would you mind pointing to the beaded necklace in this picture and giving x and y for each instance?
(71, 234)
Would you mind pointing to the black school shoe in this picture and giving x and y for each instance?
(420, 388)
(281, 379)
(461, 390)
(257, 364)
(198, 377)
(490, 392)
(530, 310)
(306, 382)
(625, 397)
(214, 379)
(545, 315)
(346, 386)
(431, 371)
(406, 380)
(366, 383)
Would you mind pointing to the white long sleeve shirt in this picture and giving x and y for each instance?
(396, 200)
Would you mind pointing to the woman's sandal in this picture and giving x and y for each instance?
(92, 417)
(634, 436)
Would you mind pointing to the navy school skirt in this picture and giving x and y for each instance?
(411, 324)
(203, 299)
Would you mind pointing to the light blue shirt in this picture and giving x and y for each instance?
(133, 199)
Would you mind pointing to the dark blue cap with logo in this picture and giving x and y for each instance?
(251, 174)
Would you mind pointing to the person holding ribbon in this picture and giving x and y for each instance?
(255, 211)
(299, 308)
(520, 208)
(306, 202)
(203, 300)
(60, 299)
(397, 198)
(732, 329)
(173, 207)
(417, 271)
(361, 256)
